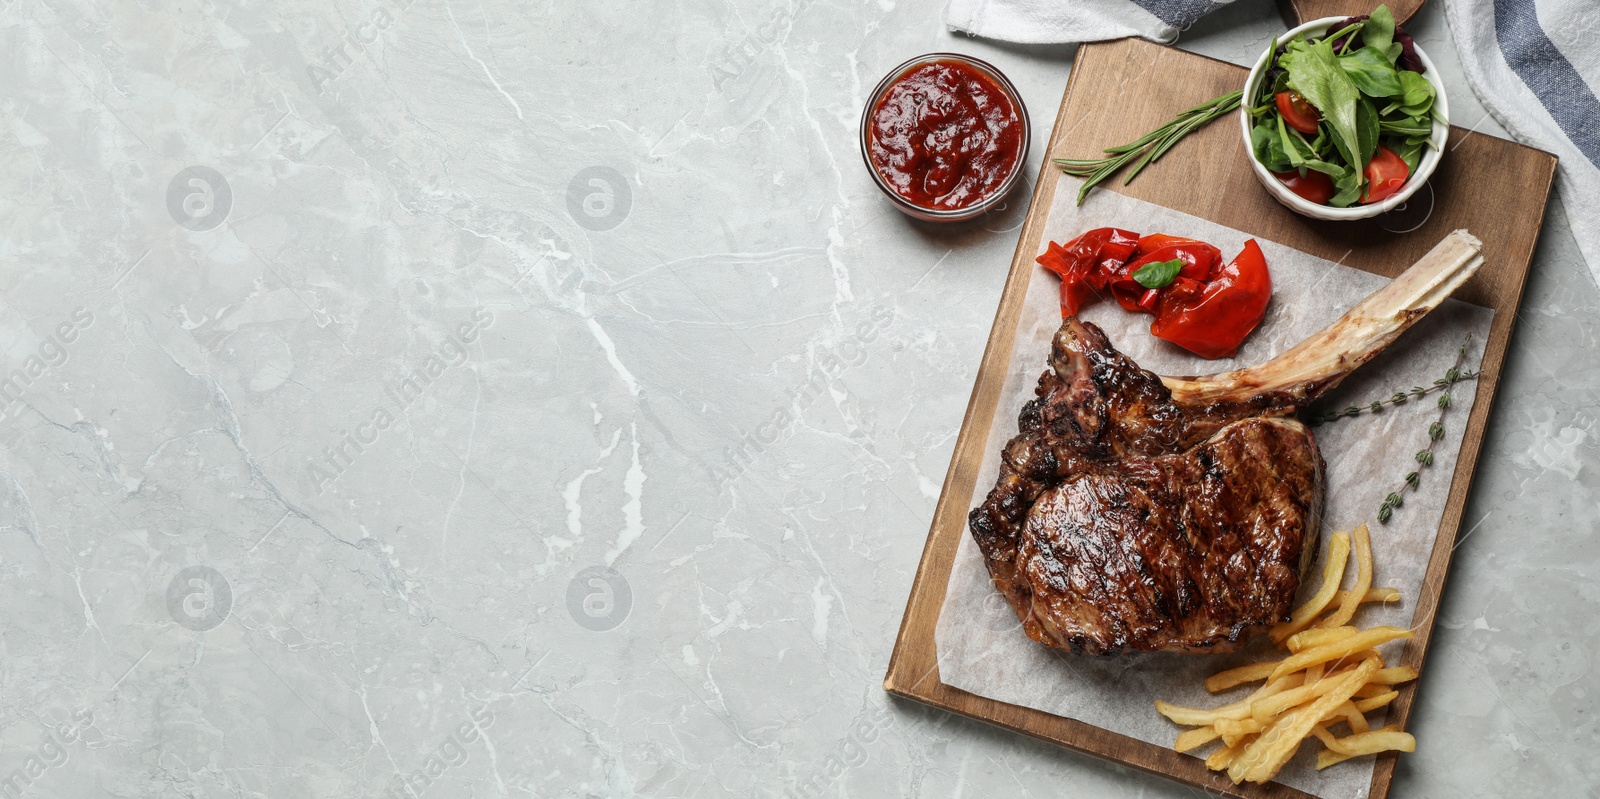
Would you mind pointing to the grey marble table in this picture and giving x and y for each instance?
(480, 399)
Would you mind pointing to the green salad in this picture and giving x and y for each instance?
(1343, 118)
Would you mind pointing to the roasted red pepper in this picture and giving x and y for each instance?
(1212, 319)
(1208, 307)
(1199, 261)
(1087, 262)
(1155, 241)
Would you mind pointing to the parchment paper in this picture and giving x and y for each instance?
(981, 647)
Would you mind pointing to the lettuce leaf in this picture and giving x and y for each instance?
(1378, 33)
(1315, 73)
(1373, 73)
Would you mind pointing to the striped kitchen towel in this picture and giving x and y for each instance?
(1535, 67)
(1050, 21)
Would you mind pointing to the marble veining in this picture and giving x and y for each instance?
(479, 399)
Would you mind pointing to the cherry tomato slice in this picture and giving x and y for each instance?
(1386, 173)
(1300, 115)
(1313, 185)
(1212, 319)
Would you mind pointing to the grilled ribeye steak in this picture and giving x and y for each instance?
(1125, 519)
(1135, 512)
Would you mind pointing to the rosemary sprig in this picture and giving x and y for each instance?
(1147, 149)
(1424, 456)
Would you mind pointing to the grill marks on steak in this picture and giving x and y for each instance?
(1124, 519)
(1189, 552)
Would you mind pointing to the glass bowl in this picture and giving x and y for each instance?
(990, 200)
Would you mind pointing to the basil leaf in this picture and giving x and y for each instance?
(1410, 152)
(1331, 170)
(1319, 145)
(1417, 110)
(1373, 73)
(1366, 128)
(1158, 274)
(1408, 127)
(1281, 83)
(1416, 93)
(1290, 149)
(1268, 148)
(1378, 33)
(1316, 74)
(1349, 189)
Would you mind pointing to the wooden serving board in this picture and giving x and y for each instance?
(1117, 91)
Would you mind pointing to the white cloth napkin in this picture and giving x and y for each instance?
(1535, 67)
(1052, 21)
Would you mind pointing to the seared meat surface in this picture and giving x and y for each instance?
(1126, 519)
(1190, 552)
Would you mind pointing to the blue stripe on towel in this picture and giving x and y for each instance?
(1178, 13)
(1552, 78)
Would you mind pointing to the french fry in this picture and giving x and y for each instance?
(1373, 595)
(1327, 738)
(1360, 655)
(1317, 636)
(1361, 541)
(1340, 649)
(1394, 674)
(1223, 680)
(1365, 743)
(1262, 759)
(1374, 702)
(1350, 714)
(1267, 709)
(1332, 575)
(1371, 689)
(1235, 730)
(1223, 757)
(1196, 717)
(1199, 736)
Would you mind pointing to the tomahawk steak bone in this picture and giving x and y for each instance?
(1139, 512)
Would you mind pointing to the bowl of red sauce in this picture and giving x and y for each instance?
(944, 136)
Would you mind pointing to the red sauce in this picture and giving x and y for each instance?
(945, 136)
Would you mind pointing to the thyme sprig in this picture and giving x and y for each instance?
(1398, 398)
(1424, 456)
(1147, 149)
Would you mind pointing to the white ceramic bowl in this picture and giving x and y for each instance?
(1300, 205)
